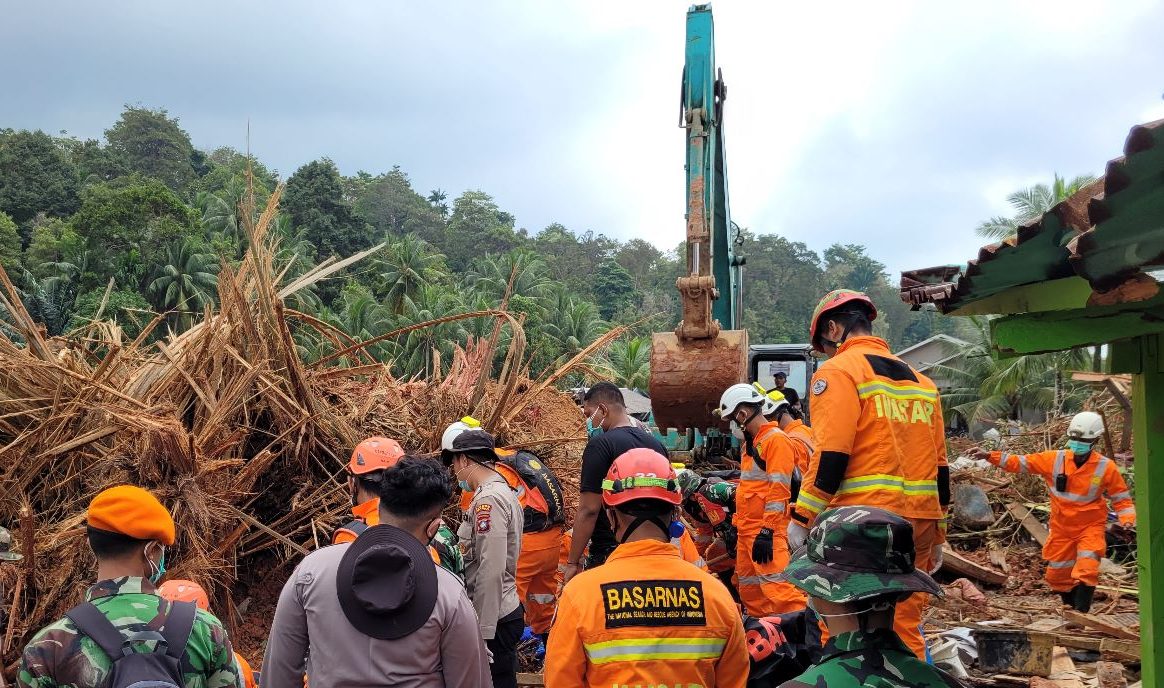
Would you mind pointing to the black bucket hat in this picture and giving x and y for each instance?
(387, 583)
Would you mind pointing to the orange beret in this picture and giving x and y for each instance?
(133, 512)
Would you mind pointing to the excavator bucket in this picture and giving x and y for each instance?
(688, 376)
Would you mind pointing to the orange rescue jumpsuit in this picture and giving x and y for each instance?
(646, 618)
(803, 444)
(1078, 514)
(762, 502)
(369, 514)
(537, 563)
(880, 442)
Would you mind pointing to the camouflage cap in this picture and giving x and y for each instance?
(6, 546)
(689, 482)
(857, 552)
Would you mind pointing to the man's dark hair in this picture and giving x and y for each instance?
(605, 393)
(851, 317)
(370, 482)
(780, 373)
(645, 507)
(109, 545)
(415, 488)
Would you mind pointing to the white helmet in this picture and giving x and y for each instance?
(735, 395)
(464, 425)
(1087, 426)
(773, 401)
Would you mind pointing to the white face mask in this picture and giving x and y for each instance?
(879, 607)
(737, 431)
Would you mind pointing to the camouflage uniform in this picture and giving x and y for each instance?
(445, 544)
(59, 656)
(855, 553)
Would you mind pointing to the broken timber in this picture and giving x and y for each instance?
(1032, 525)
(1097, 624)
(952, 561)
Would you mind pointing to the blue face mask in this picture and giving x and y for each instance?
(464, 485)
(1078, 447)
(160, 569)
(593, 430)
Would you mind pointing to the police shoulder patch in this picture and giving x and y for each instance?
(820, 386)
(484, 522)
(654, 603)
(484, 507)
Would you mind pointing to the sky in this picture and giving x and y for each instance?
(898, 125)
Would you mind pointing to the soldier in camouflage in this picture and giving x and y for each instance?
(856, 564)
(128, 531)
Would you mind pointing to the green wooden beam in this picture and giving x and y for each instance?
(1054, 295)
(1034, 333)
(1148, 444)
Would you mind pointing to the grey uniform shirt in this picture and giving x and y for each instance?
(447, 651)
(490, 537)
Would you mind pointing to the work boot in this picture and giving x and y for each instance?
(1083, 595)
(1069, 597)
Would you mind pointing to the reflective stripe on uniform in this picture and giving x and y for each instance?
(868, 389)
(700, 563)
(1065, 564)
(868, 483)
(654, 649)
(775, 507)
(761, 578)
(761, 476)
(920, 487)
(806, 502)
(540, 598)
(1120, 496)
(1096, 479)
(1088, 554)
(1131, 510)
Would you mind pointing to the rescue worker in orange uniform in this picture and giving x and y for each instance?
(543, 532)
(645, 617)
(880, 440)
(761, 516)
(369, 460)
(1080, 481)
(791, 421)
(178, 590)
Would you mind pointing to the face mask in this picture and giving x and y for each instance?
(874, 608)
(593, 429)
(1079, 447)
(464, 485)
(157, 570)
(737, 431)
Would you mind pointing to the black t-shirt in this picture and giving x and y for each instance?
(600, 452)
(791, 395)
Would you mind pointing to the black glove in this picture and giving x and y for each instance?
(730, 539)
(762, 547)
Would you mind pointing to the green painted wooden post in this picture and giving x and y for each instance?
(1148, 442)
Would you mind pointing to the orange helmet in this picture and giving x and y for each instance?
(641, 473)
(184, 591)
(375, 454)
(831, 302)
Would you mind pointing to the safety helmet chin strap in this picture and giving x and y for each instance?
(642, 515)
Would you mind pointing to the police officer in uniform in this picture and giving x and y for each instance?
(490, 537)
(645, 617)
(857, 565)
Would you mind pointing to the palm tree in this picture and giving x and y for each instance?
(436, 199)
(1030, 203)
(571, 324)
(979, 387)
(185, 283)
(629, 362)
(490, 276)
(407, 265)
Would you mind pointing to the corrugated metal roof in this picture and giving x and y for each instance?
(1106, 233)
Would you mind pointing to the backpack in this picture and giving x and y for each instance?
(161, 668)
(538, 476)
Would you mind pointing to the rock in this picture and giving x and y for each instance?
(1110, 675)
(971, 509)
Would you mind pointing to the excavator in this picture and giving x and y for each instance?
(709, 350)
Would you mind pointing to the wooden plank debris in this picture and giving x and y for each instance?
(1063, 674)
(1103, 626)
(530, 680)
(952, 561)
(1031, 524)
(1120, 650)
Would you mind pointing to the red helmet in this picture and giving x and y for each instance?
(184, 591)
(831, 302)
(375, 454)
(641, 473)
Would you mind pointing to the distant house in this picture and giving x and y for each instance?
(940, 349)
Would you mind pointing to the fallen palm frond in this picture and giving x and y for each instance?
(244, 441)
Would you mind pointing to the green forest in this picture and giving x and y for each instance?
(142, 222)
